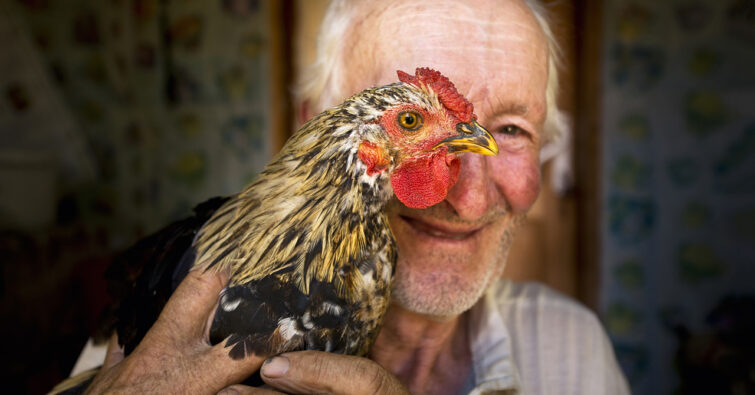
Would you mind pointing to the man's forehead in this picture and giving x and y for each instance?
(478, 50)
(439, 30)
(444, 24)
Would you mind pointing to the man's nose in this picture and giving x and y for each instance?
(474, 191)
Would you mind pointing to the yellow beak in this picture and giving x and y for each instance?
(472, 138)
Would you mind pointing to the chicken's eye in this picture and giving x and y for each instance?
(409, 120)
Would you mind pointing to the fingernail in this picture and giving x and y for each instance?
(275, 367)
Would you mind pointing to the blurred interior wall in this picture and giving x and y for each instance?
(677, 192)
(117, 117)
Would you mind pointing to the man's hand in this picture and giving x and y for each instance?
(308, 372)
(175, 355)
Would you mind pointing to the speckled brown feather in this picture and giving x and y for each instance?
(314, 183)
(312, 216)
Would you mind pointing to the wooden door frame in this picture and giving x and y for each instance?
(587, 147)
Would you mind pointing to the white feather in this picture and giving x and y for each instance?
(287, 328)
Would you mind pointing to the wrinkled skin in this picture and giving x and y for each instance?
(496, 55)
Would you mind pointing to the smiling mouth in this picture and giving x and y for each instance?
(439, 232)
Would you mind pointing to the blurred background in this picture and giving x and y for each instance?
(118, 116)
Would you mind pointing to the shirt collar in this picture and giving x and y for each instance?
(490, 343)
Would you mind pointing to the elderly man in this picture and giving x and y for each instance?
(453, 326)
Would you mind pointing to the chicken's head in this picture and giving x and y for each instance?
(422, 132)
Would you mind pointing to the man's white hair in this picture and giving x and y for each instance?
(321, 85)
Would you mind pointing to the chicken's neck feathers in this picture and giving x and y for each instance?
(312, 211)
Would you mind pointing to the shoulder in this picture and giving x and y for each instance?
(527, 300)
(559, 345)
(537, 314)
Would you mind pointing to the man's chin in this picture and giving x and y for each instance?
(438, 298)
(446, 264)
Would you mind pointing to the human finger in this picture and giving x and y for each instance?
(239, 389)
(192, 302)
(226, 370)
(114, 353)
(320, 372)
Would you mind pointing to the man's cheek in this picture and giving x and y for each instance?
(519, 179)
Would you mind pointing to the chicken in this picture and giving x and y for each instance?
(307, 245)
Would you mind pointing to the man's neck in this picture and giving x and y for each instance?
(422, 350)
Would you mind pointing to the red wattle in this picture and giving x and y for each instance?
(425, 182)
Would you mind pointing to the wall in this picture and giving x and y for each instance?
(116, 117)
(678, 193)
(172, 102)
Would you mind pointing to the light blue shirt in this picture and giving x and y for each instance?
(528, 339)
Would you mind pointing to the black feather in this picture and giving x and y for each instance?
(142, 278)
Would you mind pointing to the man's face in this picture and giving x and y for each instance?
(496, 55)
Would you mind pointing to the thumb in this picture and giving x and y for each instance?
(188, 309)
(226, 370)
(307, 372)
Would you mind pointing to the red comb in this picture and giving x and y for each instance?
(444, 88)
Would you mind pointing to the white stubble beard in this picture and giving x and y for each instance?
(444, 295)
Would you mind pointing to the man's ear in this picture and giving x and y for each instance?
(304, 112)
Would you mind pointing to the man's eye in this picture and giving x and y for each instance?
(511, 130)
